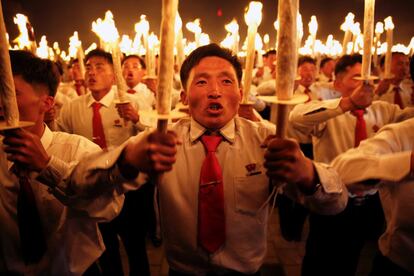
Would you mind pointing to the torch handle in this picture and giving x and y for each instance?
(282, 120)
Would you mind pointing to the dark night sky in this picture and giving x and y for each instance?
(58, 19)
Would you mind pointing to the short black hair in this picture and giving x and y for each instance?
(382, 59)
(306, 59)
(210, 50)
(141, 61)
(270, 52)
(99, 53)
(325, 60)
(345, 62)
(35, 70)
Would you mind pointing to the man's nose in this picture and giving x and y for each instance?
(214, 90)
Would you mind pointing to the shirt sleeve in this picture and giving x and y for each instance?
(305, 117)
(330, 197)
(382, 157)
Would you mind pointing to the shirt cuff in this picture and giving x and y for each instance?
(54, 172)
(329, 179)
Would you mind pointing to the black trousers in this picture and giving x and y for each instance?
(132, 227)
(383, 266)
(335, 242)
(172, 272)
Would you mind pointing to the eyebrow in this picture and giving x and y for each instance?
(207, 75)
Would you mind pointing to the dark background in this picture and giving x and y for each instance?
(59, 19)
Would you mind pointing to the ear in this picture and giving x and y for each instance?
(241, 94)
(47, 103)
(184, 97)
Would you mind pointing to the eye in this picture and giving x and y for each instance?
(227, 81)
(201, 82)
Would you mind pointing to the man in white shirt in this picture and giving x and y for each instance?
(387, 161)
(335, 127)
(211, 78)
(395, 90)
(117, 123)
(47, 228)
(133, 70)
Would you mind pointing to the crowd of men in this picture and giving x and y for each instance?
(92, 171)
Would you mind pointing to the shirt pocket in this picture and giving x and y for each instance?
(250, 193)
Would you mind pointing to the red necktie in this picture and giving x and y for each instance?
(32, 239)
(98, 131)
(308, 93)
(397, 97)
(131, 91)
(211, 220)
(360, 128)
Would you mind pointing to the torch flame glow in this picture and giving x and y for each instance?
(194, 26)
(313, 25)
(232, 27)
(253, 15)
(106, 29)
(379, 28)
(388, 23)
(349, 22)
(43, 50)
(23, 39)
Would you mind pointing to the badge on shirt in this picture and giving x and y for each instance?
(375, 128)
(253, 169)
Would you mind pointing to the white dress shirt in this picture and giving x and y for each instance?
(246, 189)
(144, 95)
(69, 221)
(76, 118)
(387, 156)
(333, 131)
(405, 93)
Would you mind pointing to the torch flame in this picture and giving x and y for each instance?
(43, 50)
(313, 25)
(379, 28)
(106, 29)
(22, 40)
(74, 44)
(142, 26)
(194, 26)
(356, 29)
(349, 22)
(253, 15)
(299, 26)
(388, 23)
(232, 27)
(178, 23)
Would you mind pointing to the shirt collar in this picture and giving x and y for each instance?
(197, 130)
(105, 101)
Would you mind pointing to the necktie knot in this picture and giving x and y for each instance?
(359, 113)
(96, 106)
(131, 91)
(211, 142)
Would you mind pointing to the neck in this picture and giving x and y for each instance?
(98, 95)
(38, 129)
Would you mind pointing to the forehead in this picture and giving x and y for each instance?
(307, 65)
(213, 65)
(132, 60)
(96, 60)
